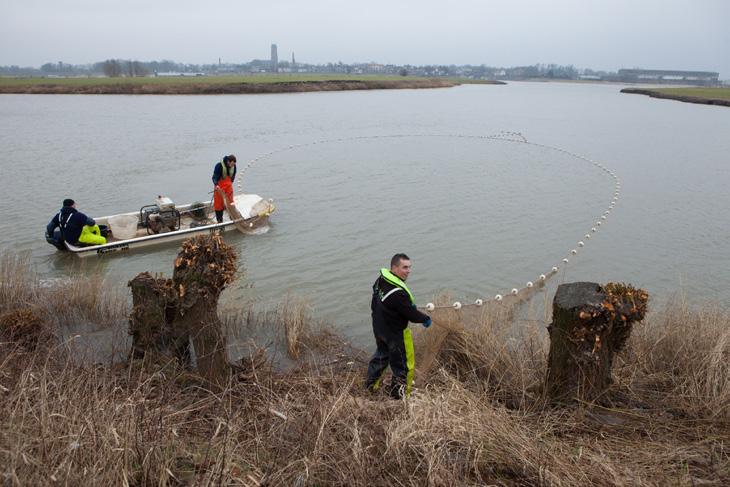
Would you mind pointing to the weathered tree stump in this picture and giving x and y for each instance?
(203, 268)
(150, 324)
(590, 325)
(169, 313)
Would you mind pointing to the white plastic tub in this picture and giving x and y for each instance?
(123, 227)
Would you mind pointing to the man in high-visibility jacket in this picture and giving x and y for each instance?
(392, 308)
(74, 228)
(224, 174)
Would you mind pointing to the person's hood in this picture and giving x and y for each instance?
(66, 210)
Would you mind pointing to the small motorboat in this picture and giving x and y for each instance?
(165, 222)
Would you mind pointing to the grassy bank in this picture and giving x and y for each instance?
(477, 418)
(707, 96)
(186, 85)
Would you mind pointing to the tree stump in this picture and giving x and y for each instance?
(169, 313)
(203, 268)
(150, 324)
(590, 325)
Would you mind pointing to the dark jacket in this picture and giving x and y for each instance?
(391, 311)
(70, 221)
(218, 173)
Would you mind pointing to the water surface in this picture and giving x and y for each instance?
(477, 216)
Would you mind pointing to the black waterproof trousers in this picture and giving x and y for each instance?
(396, 350)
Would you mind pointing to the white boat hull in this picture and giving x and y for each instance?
(244, 203)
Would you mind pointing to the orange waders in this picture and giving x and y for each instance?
(227, 186)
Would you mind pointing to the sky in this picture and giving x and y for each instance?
(596, 34)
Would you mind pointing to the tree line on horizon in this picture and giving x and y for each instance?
(135, 68)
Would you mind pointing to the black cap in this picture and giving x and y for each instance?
(68, 202)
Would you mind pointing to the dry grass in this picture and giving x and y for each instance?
(213, 85)
(476, 418)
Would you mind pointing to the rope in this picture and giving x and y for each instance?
(512, 137)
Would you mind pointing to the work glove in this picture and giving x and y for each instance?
(427, 323)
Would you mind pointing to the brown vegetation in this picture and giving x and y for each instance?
(690, 95)
(478, 416)
(158, 88)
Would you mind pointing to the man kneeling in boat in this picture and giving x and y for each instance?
(74, 228)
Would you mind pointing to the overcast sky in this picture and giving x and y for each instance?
(598, 34)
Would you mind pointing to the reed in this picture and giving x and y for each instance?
(477, 416)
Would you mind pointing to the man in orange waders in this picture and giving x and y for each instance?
(223, 176)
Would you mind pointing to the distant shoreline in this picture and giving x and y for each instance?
(215, 86)
(705, 96)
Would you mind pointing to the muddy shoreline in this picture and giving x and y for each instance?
(684, 98)
(203, 88)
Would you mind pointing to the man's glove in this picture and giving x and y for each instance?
(427, 323)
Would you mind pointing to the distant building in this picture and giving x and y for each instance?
(702, 78)
(274, 59)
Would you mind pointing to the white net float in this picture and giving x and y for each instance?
(555, 269)
(529, 284)
(581, 244)
(565, 260)
(514, 291)
(542, 277)
(479, 302)
(498, 297)
(430, 307)
(574, 251)
(457, 305)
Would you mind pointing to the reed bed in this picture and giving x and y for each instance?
(476, 417)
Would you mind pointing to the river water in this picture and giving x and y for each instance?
(477, 216)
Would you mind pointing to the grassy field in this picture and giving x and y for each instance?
(707, 93)
(264, 83)
(706, 96)
(262, 78)
(254, 78)
(478, 416)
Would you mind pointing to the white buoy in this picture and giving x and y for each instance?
(542, 277)
(529, 284)
(514, 291)
(555, 269)
(581, 244)
(479, 302)
(565, 260)
(430, 307)
(457, 305)
(498, 297)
